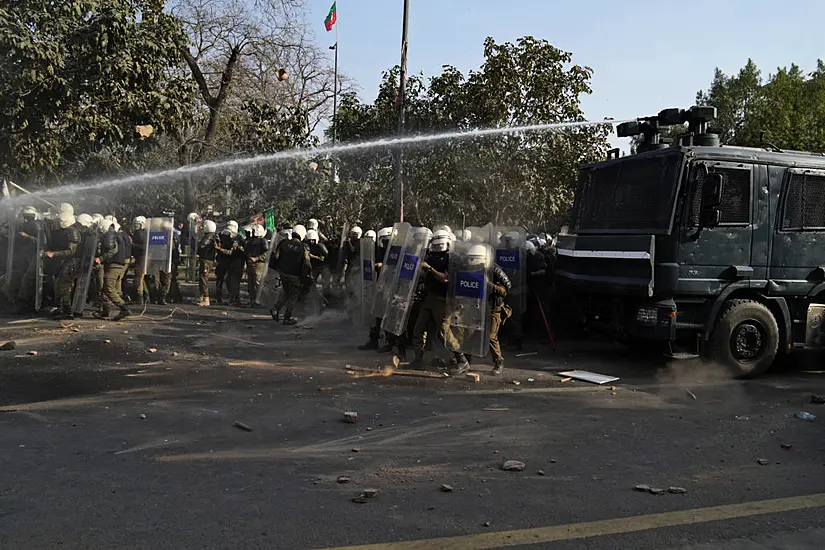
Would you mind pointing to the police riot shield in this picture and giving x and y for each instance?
(405, 283)
(39, 273)
(159, 246)
(85, 266)
(389, 267)
(270, 284)
(192, 249)
(9, 272)
(340, 263)
(486, 234)
(512, 258)
(367, 281)
(468, 304)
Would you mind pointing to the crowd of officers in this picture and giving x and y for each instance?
(301, 258)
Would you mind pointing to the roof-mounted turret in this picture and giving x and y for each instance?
(697, 119)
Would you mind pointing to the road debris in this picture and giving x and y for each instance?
(531, 379)
(566, 379)
(642, 488)
(32, 353)
(677, 490)
(322, 388)
(475, 377)
(486, 524)
(527, 354)
(142, 416)
(815, 399)
(495, 409)
(343, 479)
(8, 346)
(516, 383)
(690, 393)
(540, 472)
(513, 466)
(360, 372)
(350, 417)
(152, 350)
(446, 488)
(656, 491)
(802, 415)
(588, 376)
(763, 461)
(241, 426)
(107, 341)
(786, 446)
(356, 449)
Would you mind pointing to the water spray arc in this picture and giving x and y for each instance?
(175, 173)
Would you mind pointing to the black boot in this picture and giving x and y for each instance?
(162, 301)
(461, 365)
(290, 320)
(498, 368)
(276, 316)
(372, 344)
(418, 362)
(124, 312)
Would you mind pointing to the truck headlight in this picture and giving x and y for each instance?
(647, 315)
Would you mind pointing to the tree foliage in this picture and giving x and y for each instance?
(520, 178)
(77, 76)
(787, 109)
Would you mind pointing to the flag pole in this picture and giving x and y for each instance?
(402, 85)
(335, 88)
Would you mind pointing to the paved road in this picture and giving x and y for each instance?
(108, 445)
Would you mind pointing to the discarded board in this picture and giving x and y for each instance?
(388, 370)
(588, 376)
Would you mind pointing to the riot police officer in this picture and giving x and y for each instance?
(291, 260)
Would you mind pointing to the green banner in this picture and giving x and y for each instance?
(269, 220)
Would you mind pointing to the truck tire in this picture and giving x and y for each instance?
(745, 339)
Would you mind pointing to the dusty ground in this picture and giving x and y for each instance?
(106, 444)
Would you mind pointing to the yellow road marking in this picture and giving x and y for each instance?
(573, 531)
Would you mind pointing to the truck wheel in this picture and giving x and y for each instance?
(745, 339)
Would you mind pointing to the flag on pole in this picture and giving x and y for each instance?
(332, 17)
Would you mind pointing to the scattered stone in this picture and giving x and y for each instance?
(552, 461)
(516, 383)
(430, 507)
(566, 379)
(531, 379)
(107, 341)
(356, 450)
(343, 479)
(142, 416)
(540, 472)
(125, 332)
(677, 490)
(786, 446)
(763, 461)
(642, 488)
(473, 376)
(690, 393)
(513, 466)
(815, 399)
(369, 429)
(322, 388)
(486, 524)
(241, 426)
(350, 417)
(370, 493)
(802, 415)
(656, 491)
(152, 350)
(32, 353)
(446, 488)
(8, 346)
(360, 500)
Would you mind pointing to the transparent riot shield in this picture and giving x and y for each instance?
(468, 304)
(340, 263)
(512, 258)
(367, 281)
(159, 246)
(39, 273)
(270, 284)
(192, 251)
(389, 267)
(11, 233)
(84, 271)
(403, 286)
(486, 234)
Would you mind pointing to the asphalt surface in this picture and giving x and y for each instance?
(107, 444)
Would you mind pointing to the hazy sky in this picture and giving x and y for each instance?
(646, 55)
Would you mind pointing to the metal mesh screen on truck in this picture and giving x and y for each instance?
(736, 195)
(628, 194)
(805, 202)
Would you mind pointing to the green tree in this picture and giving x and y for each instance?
(521, 179)
(77, 76)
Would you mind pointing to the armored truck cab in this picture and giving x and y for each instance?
(694, 243)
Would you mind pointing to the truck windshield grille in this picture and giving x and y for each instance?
(630, 194)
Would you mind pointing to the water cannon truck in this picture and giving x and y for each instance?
(710, 250)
